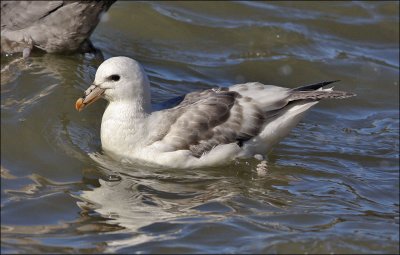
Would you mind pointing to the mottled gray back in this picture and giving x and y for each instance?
(206, 119)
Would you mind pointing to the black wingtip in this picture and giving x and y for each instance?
(314, 86)
(329, 82)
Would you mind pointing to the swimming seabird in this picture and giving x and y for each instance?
(207, 128)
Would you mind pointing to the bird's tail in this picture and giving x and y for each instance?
(316, 92)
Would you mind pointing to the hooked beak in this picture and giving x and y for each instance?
(91, 95)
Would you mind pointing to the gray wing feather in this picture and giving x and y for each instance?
(206, 119)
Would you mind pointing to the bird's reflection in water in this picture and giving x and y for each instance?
(146, 201)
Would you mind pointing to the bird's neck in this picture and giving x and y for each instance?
(127, 111)
(123, 124)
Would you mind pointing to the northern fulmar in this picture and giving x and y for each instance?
(207, 128)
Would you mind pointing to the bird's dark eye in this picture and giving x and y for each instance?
(114, 77)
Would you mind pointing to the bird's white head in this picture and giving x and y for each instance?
(121, 78)
(118, 79)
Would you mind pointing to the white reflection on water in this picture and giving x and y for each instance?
(142, 197)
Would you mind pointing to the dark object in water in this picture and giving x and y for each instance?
(52, 26)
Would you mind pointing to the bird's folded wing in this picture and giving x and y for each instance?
(206, 119)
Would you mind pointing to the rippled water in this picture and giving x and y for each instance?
(332, 186)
